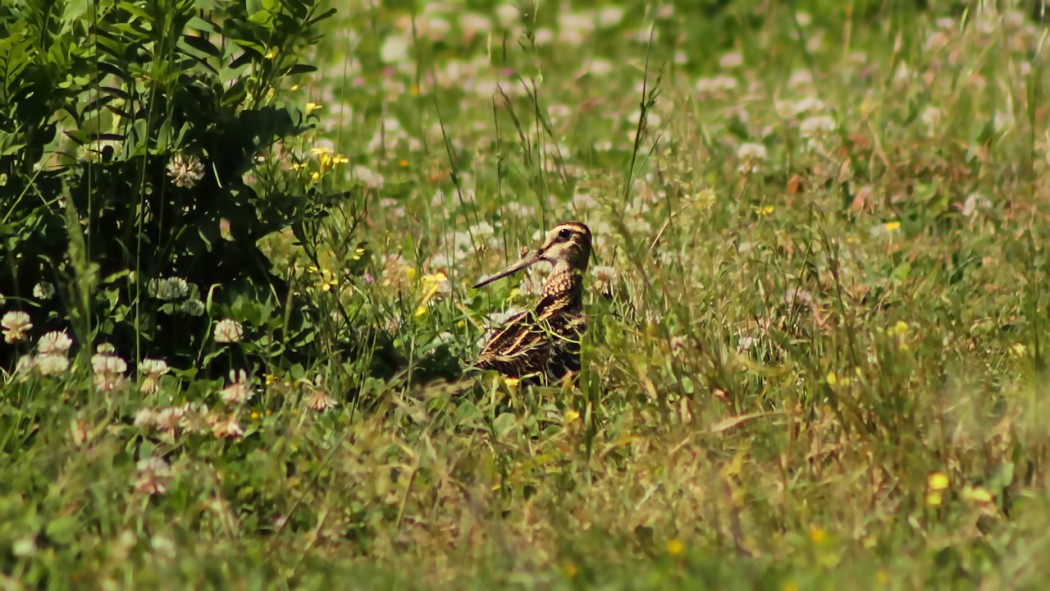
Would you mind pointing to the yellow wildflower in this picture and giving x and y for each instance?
(434, 280)
(272, 53)
(705, 199)
(675, 547)
(311, 107)
(817, 535)
(328, 280)
(892, 226)
(764, 210)
(433, 284)
(977, 494)
(937, 481)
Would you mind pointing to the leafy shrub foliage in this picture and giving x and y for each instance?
(129, 132)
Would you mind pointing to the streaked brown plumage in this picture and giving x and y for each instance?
(545, 342)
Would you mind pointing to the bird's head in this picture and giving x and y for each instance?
(567, 246)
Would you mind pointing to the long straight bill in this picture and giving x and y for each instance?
(518, 266)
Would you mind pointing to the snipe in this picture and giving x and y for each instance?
(545, 342)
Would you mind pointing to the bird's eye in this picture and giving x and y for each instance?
(564, 233)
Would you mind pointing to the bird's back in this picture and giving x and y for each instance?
(544, 341)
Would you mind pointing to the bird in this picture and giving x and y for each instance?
(543, 344)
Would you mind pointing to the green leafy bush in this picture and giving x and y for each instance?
(129, 132)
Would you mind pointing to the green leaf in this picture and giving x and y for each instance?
(63, 530)
(300, 69)
(504, 424)
(203, 45)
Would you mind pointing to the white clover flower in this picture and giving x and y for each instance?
(368, 176)
(800, 79)
(716, 84)
(239, 391)
(109, 369)
(752, 151)
(152, 370)
(108, 363)
(796, 297)
(472, 23)
(168, 288)
(319, 400)
(51, 364)
(44, 290)
(931, 118)
(153, 367)
(394, 49)
(599, 67)
(145, 418)
(55, 342)
(809, 105)
(228, 331)
(228, 429)
(610, 16)
(185, 170)
(507, 15)
(936, 41)
(192, 307)
(605, 278)
(435, 28)
(817, 125)
(15, 324)
(483, 229)
(731, 61)
(153, 476)
(170, 419)
(574, 28)
(973, 202)
(750, 155)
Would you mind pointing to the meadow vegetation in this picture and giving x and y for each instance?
(238, 245)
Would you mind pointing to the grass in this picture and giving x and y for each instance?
(819, 363)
